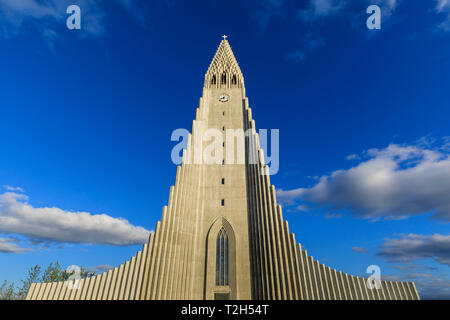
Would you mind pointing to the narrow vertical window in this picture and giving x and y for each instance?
(223, 180)
(217, 260)
(222, 258)
(213, 80)
(223, 202)
(224, 78)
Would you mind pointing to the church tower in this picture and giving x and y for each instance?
(204, 233)
(222, 234)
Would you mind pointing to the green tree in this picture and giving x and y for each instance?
(53, 273)
(7, 291)
(86, 274)
(33, 276)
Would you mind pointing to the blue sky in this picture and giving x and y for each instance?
(86, 119)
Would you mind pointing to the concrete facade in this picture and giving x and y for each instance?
(262, 259)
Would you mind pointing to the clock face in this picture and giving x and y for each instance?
(224, 97)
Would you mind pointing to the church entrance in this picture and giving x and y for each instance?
(220, 281)
(222, 289)
(221, 296)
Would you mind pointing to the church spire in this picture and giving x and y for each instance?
(224, 71)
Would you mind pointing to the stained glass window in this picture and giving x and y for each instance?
(222, 258)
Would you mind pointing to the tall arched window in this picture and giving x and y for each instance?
(222, 258)
(213, 80)
(233, 80)
(224, 78)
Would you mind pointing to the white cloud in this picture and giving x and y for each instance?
(411, 250)
(310, 42)
(352, 11)
(334, 215)
(387, 6)
(266, 10)
(442, 5)
(414, 247)
(360, 250)
(46, 17)
(435, 288)
(413, 267)
(394, 183)
(320, 8)
(303, 208)
(7, 245)
(325, 8)
(352, 157)
(288, 197)
(430, 286)
(100, 268)
(17, 216)
(31, 8)
(9, 188)
(443, 8)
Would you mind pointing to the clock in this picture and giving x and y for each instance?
(224, 97)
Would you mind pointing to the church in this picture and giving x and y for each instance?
(222, 235)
